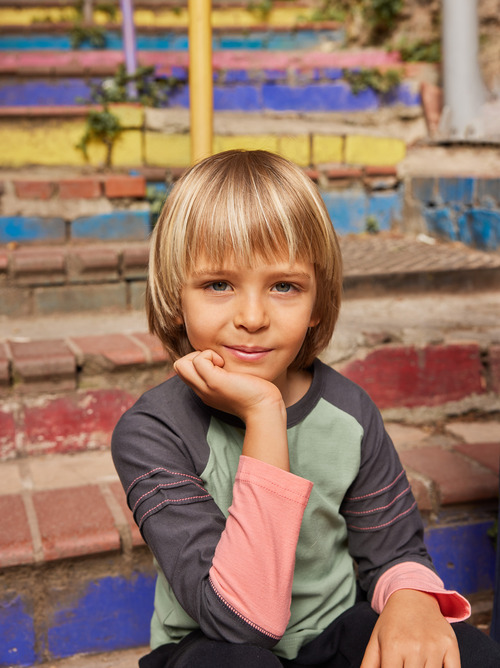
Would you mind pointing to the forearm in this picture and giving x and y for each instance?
(265, 435)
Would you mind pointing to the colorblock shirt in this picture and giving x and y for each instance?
(250, 553)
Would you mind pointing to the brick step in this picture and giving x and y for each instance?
(312, 62)
(77, 578)
(95, 278)
(422, 357)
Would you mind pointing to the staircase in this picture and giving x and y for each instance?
(419, 326)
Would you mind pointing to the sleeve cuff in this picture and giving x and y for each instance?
(411, 575)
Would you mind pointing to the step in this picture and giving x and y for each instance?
(68, 591)
(242, 81)
(76, 577)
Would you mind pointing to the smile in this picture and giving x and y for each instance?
(248, 353)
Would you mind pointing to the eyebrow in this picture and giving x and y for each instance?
(217, 271)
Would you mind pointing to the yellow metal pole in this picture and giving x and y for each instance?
(200, 78)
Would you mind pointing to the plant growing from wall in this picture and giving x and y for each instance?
(82, 33)
(102, 127)
(151, 90)
(420, 52)
(381, 17)
(381, 82)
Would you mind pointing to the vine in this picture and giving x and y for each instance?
(104, 126)
(82, 33)
(381, 82)
(101, 126)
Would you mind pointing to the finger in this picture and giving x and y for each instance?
(212, 356)
(208, 365)
(452, 657)
(371, 658)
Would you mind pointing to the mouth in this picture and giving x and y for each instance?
(248, 353)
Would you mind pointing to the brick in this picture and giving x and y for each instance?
(486, 454)
(34, 189)
(408, 376)
(4, 367)
(424, 189)
(16, 302)
(494, 375)
(296, 148)
(343, 173)
(457, 479)
(125, 186)
(137, 295)
(130, 115)
(327, 149)
(367, 150)
(109, 351)
(7, 435)
(422, 494)
(119, 495)
(167, 150)
(483, 431)
(488, 192)
(115, 226)
(74, 422)
(459, 191)
(74, 522)
(16, 547)
(79, 189)
(31, 228)
(75, 298)
(380, 170)
(93, 264)
(135, 262)
(47, 365)
(153, 345)
(247, 142)
(35, 267)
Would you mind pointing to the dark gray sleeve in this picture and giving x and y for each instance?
(158, 459)
(382, 518)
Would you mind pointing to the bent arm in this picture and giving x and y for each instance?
(219, 570)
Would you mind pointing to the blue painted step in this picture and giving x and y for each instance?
(175, 41)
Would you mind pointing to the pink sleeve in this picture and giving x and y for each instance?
(410, 575)
(252, 569)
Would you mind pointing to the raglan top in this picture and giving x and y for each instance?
(251, 553)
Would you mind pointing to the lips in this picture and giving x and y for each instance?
(248, 353)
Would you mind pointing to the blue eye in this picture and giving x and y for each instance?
(219, 286)
(283, 287)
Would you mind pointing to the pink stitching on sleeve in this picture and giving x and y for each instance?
(379, 491)
(375, 510)
(163, 486)
(382, 526)
(161, 468)
(159, 505)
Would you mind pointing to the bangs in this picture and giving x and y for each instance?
(250, 212)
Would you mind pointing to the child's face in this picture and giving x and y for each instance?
(256, 318)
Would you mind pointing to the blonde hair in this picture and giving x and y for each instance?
(250, 206)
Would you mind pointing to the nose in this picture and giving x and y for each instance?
(251, 313)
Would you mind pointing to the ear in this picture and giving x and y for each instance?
(179, 320)
(314, 321)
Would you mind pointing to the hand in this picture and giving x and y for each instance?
(412, 632)
(256, 401)
(236, 393)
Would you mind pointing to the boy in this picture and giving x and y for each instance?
(258, 475)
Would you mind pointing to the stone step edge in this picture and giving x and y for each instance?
(38, 526)
(66, 395)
